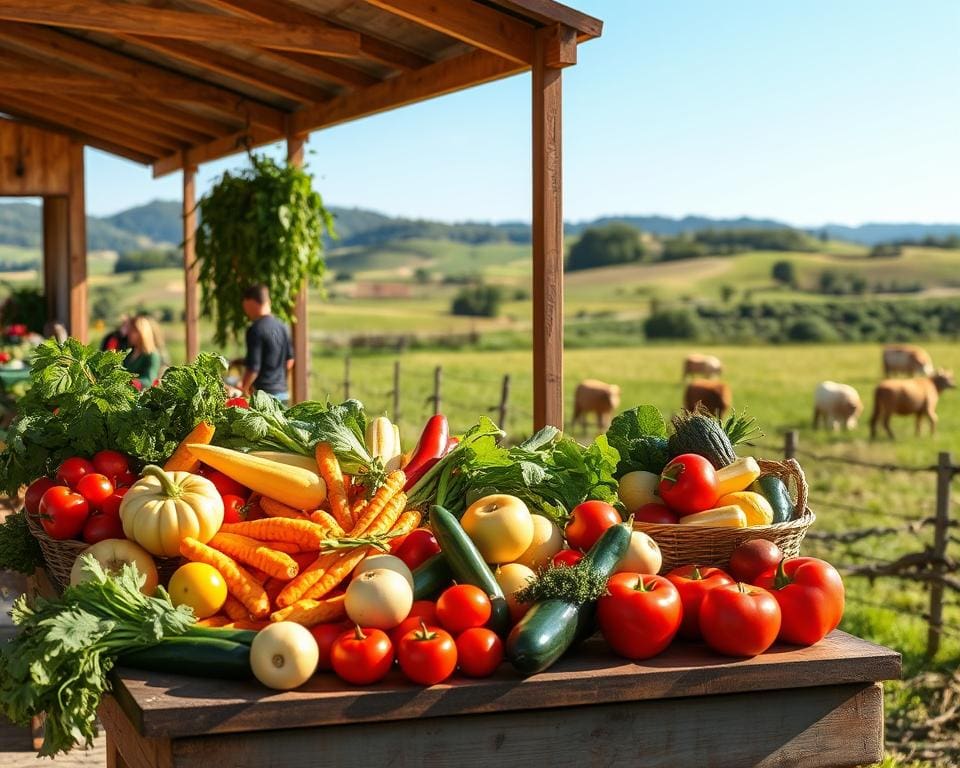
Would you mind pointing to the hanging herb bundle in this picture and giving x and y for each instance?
(262, 225)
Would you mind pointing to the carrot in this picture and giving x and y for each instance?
(306, 579)
(236, 610)
(376, 505)
(274, 508)
(274, 587)
(356, 509)
(217, 620)
(305, 559)
(326, 520)
(336, 572)
(409, 520)
(306, 534)
(333, 477)
(181, 460)
(254, 625)
(282, 546)
(258, 576)
(312, 612)
(252, 552)
(240, 583)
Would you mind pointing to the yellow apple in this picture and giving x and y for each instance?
(113, 554)
(500, 525)
(390, 562)
(547, 541)
(511, 578)
(639, 488)
(643, 555)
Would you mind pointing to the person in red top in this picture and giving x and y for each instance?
(116, 340)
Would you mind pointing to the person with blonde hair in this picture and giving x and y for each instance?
(144, 358)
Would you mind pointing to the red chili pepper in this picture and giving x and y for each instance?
(430, 449)
(452, 443)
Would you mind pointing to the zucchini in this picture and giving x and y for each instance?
(774, 490)
(550, 627)
(199, 656)
(700, 432)
(244, 636)
(430, 577)
(467, 565)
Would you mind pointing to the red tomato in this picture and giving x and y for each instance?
(461, 607)
(426, 610)
(640, 614)
(237, 402)
(689, 484)
(752, 558)
(111, 463)
(234, 509)
(567, 557)
(417, 547)
(408, 625)
(100, 526)
(693, 582)
(95, 488)
(125, 480)
(226, 486)
(427, 656)
(588, 521)
(72, 469)
(479, 652)
(112, 505)
(656, 513)
(362, 656)
(34, 493)
(811, 598)
(63, 512)
(739, 619)
(325, 635)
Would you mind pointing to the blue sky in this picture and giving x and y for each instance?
(809, 112)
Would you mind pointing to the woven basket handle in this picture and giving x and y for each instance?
(792, 475)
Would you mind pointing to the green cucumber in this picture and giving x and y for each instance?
(774, 490)
(244, 636)
(467, 565)
(430, 577)
(550, 627)
(199, 656)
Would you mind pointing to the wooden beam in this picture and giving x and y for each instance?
(77, 267)
(296, 146)
(549, 12)
(560, 46)
(335, 71)
(123, 18)
(191, 269)
(547, 234)
(227, 145)
(183, 117)
(160, 120)
(471, 22)
(55, 46)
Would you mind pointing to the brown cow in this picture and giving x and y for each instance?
(702, 365)
(715, 396)
(593, 396)
(909, 396)
(906, 358)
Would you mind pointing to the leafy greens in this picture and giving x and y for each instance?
(640, 437)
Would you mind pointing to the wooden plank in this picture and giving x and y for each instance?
(191, 269)
(803, 728)
(56, 256)
(296, 148)
(547, 236)
(133, 750)
(550, 12)
(227, 145)
(32, 161)
(178, 706)
(329, 69)
(77, 268)
(123, 18)
(182, 116)
(480, 26)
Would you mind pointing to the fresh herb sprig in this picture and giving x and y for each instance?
(19, 550)
(576, 584)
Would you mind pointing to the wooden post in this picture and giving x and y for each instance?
(77, 248)
(396, 391)
(346, 377)
(301, 333)
(547, 236)
(945, 472)
(790, 441)
(56, 257)
(190, 267)
(437, 381)
(504, 398)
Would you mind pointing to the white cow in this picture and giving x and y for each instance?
(836, 404)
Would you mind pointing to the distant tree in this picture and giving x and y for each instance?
(673, 324)
(422, 275)
(727, 241)
(727, 292)
(886, 251)
(682, 247)
(603, 246)
(824, 235)
(785, 273)
(478, 301)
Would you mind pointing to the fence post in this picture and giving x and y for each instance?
(945, 470)
(346, 377)
(790, 444)
(437, 377)
(396, 391)
(504, 399)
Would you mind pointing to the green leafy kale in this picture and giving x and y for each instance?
(640, 437)
(19, 550)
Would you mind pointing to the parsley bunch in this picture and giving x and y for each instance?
(19, 550)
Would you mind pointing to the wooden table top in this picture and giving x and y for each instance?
(175, 706)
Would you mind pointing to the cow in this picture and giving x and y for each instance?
(715, 396)
(701, 365)
(835, 404)
(906, 358)
(593, 396)
(917, 396)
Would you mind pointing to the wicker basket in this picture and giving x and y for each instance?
(709, 545)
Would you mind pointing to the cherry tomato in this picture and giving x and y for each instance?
(689, 484)
(234, 509)
(124, 480)
(567, 557)
(112, 505)
(362, 656)
(111, 463)
(95, 488)
(35, 491)
(752, 558)
(418, 547)
(588, 521)
(639, 615)
(656, 513)
(811, 598)
(63, 512)
(325, 635)
(739, 619)
(461, 607)
(225, 486)
(72, 469)
(100, 526)
(479, 652)
(693, 582)
(427, 656)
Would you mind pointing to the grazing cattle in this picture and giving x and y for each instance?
(593, 396)
(702, 365)
(715, 396)
(906, 358)
(909, 396)
(835, 404)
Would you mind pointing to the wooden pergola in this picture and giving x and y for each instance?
(174, 84)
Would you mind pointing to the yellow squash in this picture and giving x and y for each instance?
(755, 507)
(291, 485)
(737, 476)
(291, 459)
(383, 442)
(718, 517)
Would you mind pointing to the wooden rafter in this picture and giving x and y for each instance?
(221, 147)
(160, 120)
(123, 18)
(471, 22)
(328, 69)
(181, 116)
(549, 12)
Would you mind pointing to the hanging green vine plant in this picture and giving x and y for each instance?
(264, 225)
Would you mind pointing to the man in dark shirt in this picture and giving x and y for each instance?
(269, 349)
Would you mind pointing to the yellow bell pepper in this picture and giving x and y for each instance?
(755, 507)
(737, 476)
(719, 517)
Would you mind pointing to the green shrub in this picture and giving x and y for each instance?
(478, 301)
(811, 329)
(604, 246)
(673, 324)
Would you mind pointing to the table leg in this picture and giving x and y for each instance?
(114, 758)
